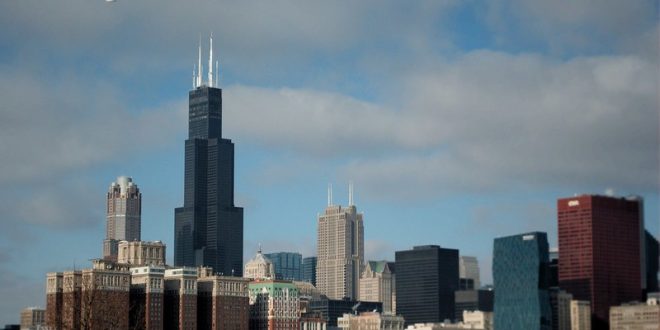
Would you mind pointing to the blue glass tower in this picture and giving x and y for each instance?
(309, 270)
(520, 269)
(288, 265)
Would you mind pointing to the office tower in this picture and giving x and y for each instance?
(33, 318)
(553, 268)
(580, 315)
(259, 267)
(652, 261)
(146, 297)
(141, 253)
(377, 283)
(309, 270)
(180, 299)
(208, 229)
(522, 301)
(340, 246)
(600, 251)
(426, 278)
(123, 212)
(635, 316)
(274, 305)
(468, 267)
(288, 265)
(222, 302)
(472, 300)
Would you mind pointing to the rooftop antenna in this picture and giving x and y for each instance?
(199, 63)
(350, 193)
(217, 73)
(329, 194)
(194, 78)
(211, 60)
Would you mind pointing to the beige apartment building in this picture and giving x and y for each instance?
(377, 284)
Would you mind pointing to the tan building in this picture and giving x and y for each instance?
(141, 253)
(340, 250)
(33, 318)
(638, 316)
(180, 298)
(377, 284)
(563, 309)
(123, 215)
(147, 290)
(274, 305)
(370, 321)
(259, 267)
(54, 303)
(222, 302)
(580, 315)
(478, 320)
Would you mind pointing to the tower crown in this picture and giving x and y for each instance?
(198, 70)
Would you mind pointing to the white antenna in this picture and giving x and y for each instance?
(193, 76)
(350, 193)
(211, 60)
(217, 73)
(329, 194)
(199, 63)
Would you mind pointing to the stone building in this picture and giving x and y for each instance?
(259, 267)
(141, 253)
(274, 305)
(377, 283)
(222, 302)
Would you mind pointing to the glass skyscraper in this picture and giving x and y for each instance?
(288, 265)
(309, 270)
(209, 227)
(522, 301)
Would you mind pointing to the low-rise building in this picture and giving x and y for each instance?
(643, 316)
(478, 320)
(370, 321)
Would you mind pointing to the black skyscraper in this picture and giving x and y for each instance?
(426, 278)
(208, 228)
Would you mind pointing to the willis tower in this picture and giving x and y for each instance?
(208, 229)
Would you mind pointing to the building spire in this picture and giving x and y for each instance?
(211, 60)
(329, 194)
(194, 78)
(199, 63)
(350, 193)
(217, 73)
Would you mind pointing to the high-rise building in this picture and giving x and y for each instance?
(468, 267)
(123, 215)
(522, 301)
(288, 265)
(601, 251)
(340, 246)
(259, 267)
(377, 283)
(426, 278)
(180, 299)
(208, 229)
(309, 270)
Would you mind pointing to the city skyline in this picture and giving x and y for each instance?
(458, 122)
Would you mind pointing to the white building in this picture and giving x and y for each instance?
(377, 284)
(468, 267)
(259, 267)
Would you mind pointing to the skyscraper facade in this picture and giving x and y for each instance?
(288, 265)
(522, 301)
(208, 229)
(600, 251)
(340, 247)
(309, 270)
(426, 278)
(123, 215)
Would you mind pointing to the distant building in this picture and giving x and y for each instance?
(522, 301)
(332, 309)
(309, 270)
(123, 215)
(141, 253)
(472, 300)
(377, 283)
(33, 318)
(652, 262)
(477, 320)
(274, 305)
(560, 302)
(288, 265)
(466, 284)
(222, 302)
(180, 298)
(426, 278)
(635, 316)
(370, 321)
(580, 316)
(340, 250)
(260, 267)
(601, 251)
(468, 267)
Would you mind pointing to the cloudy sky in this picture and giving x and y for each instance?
(458, 120)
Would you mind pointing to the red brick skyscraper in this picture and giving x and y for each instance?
(600, 250)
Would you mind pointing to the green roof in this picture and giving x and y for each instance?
(379, 266)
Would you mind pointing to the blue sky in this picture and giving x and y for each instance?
(458, 121)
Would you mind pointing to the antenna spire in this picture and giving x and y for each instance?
(217, 73)
(211, 60)
(329, 194)
(350, 193)
(194, 78)
(199, 63)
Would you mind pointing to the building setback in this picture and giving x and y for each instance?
(208, 228)
(600, 251)
(123, 215)
(426, 278)
(522, 301)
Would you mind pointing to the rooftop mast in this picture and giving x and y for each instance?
(211, 61)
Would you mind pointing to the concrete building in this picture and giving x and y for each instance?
(377, 283)
(468, 267)
(601, 257)
(33, 318)
(370, 321)
(522, 301)
(259, 267)
(426, 279)
(180, 298)
(309, 270)
(636, 316)
(147, 297)
(340, 250)
(274, 305)
(222, 302)
(54, 299)
(472, 300)
(288, 265)
(580, 317)
(477, 320)
(123, 215)
(141, 253)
